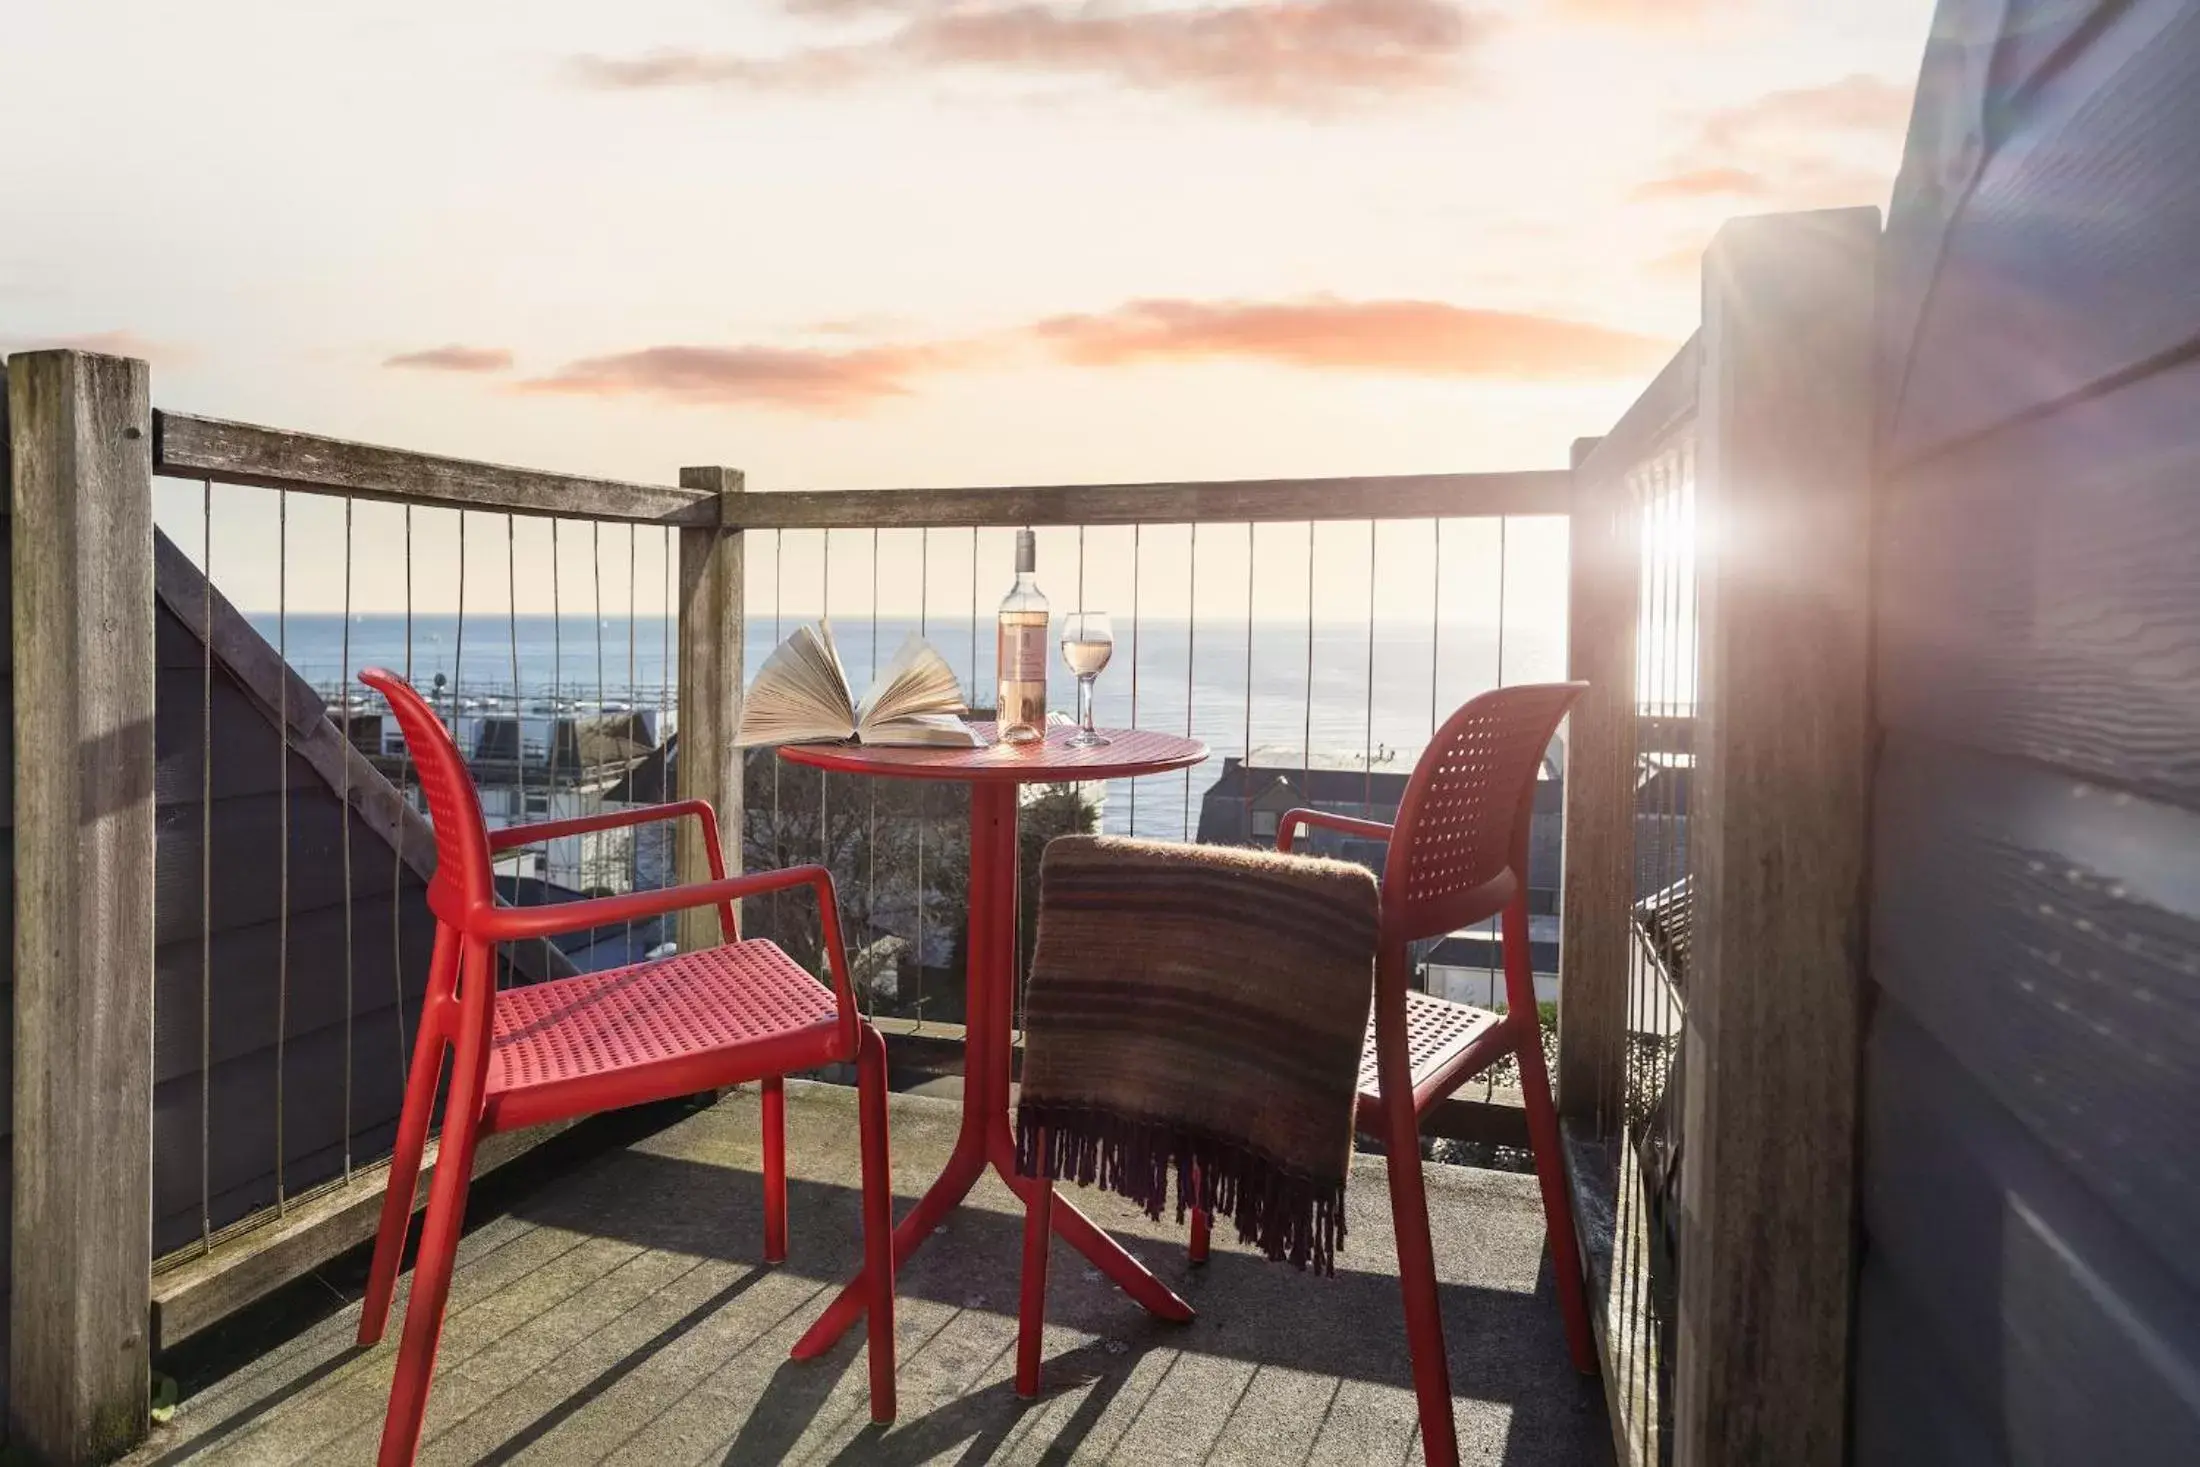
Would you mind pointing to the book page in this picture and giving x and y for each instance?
(917, 681)
(943, 730)
(800, 693)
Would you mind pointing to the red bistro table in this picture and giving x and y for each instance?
(993, 773)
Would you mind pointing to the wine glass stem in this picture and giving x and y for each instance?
(1084, 702)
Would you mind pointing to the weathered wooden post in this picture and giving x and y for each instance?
(711, 581)
(1604, 576)
(1777, 832)
(81, 500)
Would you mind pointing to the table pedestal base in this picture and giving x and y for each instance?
(985, 1138)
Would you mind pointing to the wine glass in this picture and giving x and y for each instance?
(1088, 641)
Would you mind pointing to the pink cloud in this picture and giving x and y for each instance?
(1429, 338)
(1308, 56)
(1855, 104)
(1796, 148)
(1400, 337)
(782, 377)
(455, 358)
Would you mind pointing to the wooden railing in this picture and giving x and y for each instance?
(84, 450)
(1720, 609)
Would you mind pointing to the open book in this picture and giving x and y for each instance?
(802, 694)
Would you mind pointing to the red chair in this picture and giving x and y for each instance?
(737, 1012)
(1457, 855)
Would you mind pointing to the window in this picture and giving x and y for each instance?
(538, 804)
(1264, 824)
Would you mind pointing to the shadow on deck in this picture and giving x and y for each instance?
(619, 1315)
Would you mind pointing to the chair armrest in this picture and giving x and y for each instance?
(552, 919)
(1288, 826)
(512, 836)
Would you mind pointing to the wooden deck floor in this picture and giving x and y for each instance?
(618, 1315)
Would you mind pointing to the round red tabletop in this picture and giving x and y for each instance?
(1130, 752)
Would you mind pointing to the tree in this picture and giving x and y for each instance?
(899, 851)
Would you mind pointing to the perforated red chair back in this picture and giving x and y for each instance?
(463, 878)
(1459, 848)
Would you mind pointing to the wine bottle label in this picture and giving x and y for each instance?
(1023, 653)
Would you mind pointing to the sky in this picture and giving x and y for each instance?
(887, 243)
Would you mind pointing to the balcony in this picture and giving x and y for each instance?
(617, 1313)
(257, 887)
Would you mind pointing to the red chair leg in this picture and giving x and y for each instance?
(412, 1139)
(439, 1235)
(1558, 1207)
(1031, 1311)
(1543, 1137)
(775, 1170)
(1417, 1278)
(878, 1220)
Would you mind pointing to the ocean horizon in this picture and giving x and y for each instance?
(1339, 691)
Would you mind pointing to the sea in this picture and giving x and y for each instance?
(1365, 694)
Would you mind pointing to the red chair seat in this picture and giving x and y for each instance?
(1438, 1032)
(695, 1020)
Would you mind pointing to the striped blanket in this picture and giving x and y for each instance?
(1199, 1010)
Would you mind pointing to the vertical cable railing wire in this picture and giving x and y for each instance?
(1191, 662)
(206, 872)
(1498, 673)
(1502, 555)
(974, 685)
(343, 814)
(458, 650)
(1367, 758)
(631, 724)
(824, 779)
(1245, 763)
(1135, 537)
(519, 706)
(1678, 1079)
(592, 753)
(779, 855)
(1495, 949)
(924, 814)
(1631, 1202)
(555, 740)
(1660, 994)
(1436, 625)
(666, 790)
(282, 822)
(397, 851)
(1306, 735)
(870, 880)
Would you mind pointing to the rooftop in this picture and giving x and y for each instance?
(619, 1314)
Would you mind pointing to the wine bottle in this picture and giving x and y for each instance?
(1021, 715)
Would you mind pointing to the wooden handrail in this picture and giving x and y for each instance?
(188, 446)
(1226, 501)
(185, 446)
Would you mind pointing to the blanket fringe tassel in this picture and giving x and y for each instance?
(1287, 1216)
